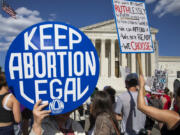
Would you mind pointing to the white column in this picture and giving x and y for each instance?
(124, 64)
(112, 58)
(102, 58)
(143, 63)
(133, 62)
(153, 63)
(124, 60)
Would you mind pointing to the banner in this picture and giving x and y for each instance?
(54, 62)
(132, 26)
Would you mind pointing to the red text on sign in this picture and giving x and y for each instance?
(122, 9)
(140, 45)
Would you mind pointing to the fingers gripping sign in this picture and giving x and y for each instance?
(39, 114)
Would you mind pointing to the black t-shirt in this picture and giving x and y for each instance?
(165, 131)
(5, 116)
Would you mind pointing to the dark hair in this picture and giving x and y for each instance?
(111, 92)
(101, 103)
(166, 90)
(2, 80)
(95, 90)
(131, 83)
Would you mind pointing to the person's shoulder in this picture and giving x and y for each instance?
(103, 118)
(10, 97)
(123, 94)
(13, 99)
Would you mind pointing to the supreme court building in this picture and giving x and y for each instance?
(104, 37)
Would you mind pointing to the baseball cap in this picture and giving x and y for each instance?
(131, 76)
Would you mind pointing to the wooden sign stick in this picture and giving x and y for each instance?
(140, 67)
(139, 63)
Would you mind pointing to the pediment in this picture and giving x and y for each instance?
(107, 26)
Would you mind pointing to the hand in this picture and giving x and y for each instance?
(39, 115)
(141, 81)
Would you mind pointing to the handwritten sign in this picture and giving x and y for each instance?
(54, 62)
(132, 26)
(159, 80)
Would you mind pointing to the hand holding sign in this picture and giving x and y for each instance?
(54, 62)
(39, 115)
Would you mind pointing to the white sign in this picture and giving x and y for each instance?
(54, 62)
(132, 26)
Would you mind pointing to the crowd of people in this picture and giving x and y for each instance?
(133, 112)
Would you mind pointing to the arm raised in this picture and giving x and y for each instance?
(170, 118)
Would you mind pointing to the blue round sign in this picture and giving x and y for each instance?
(54, 62)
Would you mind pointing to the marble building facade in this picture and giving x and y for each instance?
(104, 37)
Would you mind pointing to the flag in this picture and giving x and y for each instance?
(9, 10)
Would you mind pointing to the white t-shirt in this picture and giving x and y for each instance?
(133, 120)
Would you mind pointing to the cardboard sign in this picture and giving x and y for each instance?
(159, 80)
(132, 26)
(54, 62)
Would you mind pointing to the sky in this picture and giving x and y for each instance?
(163, 15)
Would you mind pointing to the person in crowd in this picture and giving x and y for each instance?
(154, 101)
(149, 122)
(60, 124)
(112, 94)
(80, 115)
(26, 121)
(148, 91)
(171, 119)
(174, 104)
(133, 120)
(9, 109)
(166, 99)
(92, 120)
(102, 111)
(171, 95)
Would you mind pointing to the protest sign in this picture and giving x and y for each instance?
(124, 71)
(149, 81)
(54, 62)
(159, 80)
(132, 26)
